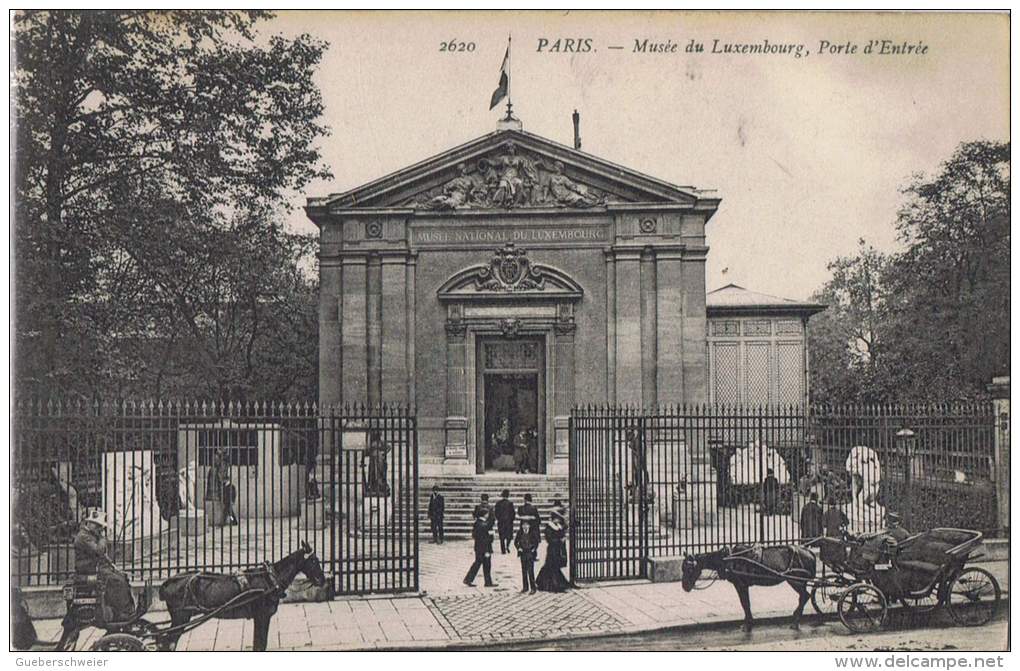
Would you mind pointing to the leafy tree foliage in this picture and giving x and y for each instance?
(930, 322)
(154, 155)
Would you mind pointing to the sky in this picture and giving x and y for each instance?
(808, 154)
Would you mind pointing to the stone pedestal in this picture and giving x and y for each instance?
(215, 513)
(634, 516)
(313, 513)
(191, 522)
(376, 513)
(682, 515)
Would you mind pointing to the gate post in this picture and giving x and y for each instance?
(999, 389)
(571, 495)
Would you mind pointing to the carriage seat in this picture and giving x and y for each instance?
(925, 567)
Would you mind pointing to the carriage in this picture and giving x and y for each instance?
(864, 576)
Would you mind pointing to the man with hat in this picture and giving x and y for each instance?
(91, 558)
(483, 549)
(437, 510)
(529, 512)
(505, 514)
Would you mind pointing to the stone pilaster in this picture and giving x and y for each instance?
(411, 303)
(330, 359)
(563, 399)
(373, 328)
(610, 327)
(354, 334)
(669, 325)
(394, 329)
(628, 326)
(649, 319)
(456, 392)
(695, 354)
(999, 389)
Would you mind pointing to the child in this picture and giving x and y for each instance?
(526, 550)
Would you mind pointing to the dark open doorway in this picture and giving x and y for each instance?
(511, 422)
(511, 406)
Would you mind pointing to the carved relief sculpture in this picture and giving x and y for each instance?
(509, 180)
(510, 270)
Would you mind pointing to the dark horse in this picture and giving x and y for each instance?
(191, 594)
(747, 567)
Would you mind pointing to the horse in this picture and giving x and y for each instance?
(190, 594)
(743, 567)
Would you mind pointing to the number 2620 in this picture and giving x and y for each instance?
(455, 45)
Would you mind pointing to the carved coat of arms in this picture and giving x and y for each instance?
(509, 270)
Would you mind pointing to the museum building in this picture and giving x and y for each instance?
(498, 284)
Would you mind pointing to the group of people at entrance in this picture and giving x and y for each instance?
(520, 530)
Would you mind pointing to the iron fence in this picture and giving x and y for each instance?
(218, 487)
(690, 479)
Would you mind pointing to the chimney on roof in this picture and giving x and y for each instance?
(577, 130)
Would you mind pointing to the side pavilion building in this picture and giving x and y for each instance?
(499, 283)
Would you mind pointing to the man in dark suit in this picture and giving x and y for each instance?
(483, 508)
(437, 509)
(505, 515)
(483, 551)
(530, 512)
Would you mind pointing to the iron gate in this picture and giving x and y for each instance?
(670, 481)
(218, 487)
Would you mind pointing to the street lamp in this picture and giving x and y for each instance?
(905, 440)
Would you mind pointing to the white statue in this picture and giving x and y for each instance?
(187, 487)
(865, 513)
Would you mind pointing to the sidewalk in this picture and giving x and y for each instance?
(454, 615)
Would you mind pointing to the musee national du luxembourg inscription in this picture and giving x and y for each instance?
(501, 234)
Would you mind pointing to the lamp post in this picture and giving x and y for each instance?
(905, 441)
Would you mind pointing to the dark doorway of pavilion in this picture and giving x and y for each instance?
(512, 403)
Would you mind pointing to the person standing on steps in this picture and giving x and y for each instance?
(437, 510)
(483, 550)
(505, 514)
(529, 512)
(484, 507)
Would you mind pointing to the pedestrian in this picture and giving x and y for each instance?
(770, 493)
(505, 514)
(483, 551)
(483, 505)
(811, 524)
(528, 552)
(550, 578)
(530, 512)
(522, 451)
(834, 520)
(437, 509)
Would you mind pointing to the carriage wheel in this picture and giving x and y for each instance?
(825, 597)
(973, 597)
(118, 643)
(862, 608)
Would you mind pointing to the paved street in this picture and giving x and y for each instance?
(453, 614)
(824, 637)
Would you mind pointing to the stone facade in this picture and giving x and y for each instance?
(597, 272)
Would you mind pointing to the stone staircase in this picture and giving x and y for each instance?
(462, 494)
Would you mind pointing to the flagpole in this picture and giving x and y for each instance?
(509, 76)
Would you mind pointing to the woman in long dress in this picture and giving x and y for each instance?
(551, 578)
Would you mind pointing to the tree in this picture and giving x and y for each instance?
(930, 322)
(847, 339)
(145, 141)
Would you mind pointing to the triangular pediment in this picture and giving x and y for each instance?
(509, 170)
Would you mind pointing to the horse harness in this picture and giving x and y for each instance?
(755, 555)
(244, 584)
